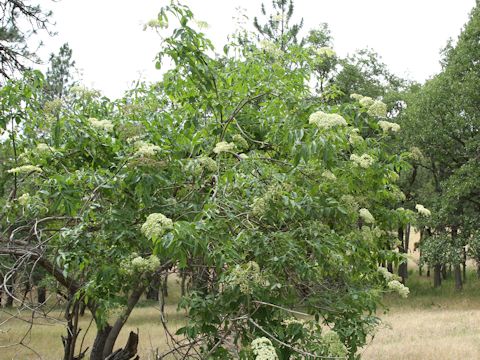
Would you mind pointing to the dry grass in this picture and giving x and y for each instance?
(436, 334)
(437, 324)
(46, 334)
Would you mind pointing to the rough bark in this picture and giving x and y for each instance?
(129, 352)
(113, 334)
(99, 343)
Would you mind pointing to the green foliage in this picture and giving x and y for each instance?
(219, 171)
(19, 21)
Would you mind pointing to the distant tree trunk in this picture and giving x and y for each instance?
(428, 271)
(153, 289)
(464, 264)
(457, 269)
(478, 270)
(458, 277)
(444, 272)
(401, 248)
(437, 275)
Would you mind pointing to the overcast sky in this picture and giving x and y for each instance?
(112, 50)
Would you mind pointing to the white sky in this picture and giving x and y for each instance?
(112, 50)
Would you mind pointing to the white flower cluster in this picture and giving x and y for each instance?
(24, 169)
(326, 121)
(263, 349)
(277, 17)
(397, 286)
(349, 202)
(156, 225)
(387, 126)
(422, 210)
(387, 275)
(155, 24)
(416, 153)
(366, 101)
(52, 106)
(105, 125)
(140, 265)
(327, 174)
(204, 163)
(24, 199)
(271, 48)
(246, 275)
(366, 216)
(326, 52)
(223, 146)
(240, 142)
(354, 137)
(374, 107)
(44, 148)
(145, 149)
(378, 109)
(364, 161)
(292, 320)
(260, 204)
(149, 264)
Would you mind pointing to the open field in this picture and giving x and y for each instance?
(437, 324)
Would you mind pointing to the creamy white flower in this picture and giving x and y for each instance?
(243, 156)
(326, 52)
(208, 164)
(354, 137)
(397, 286)
(43, 148)
(326, 121)
(422, 210)
(378, 109)
(156, 225)
(223, 146)
(387, 126)
(145, 149)
(240, 142)
(366, 101)
(366, 216)
(363, 161)
(24, 169)
(263, 349)
(24, 199)
(278, 17)
(357, 97)
(416, 153)
(271, 48)
(104, 125)
(327, 174)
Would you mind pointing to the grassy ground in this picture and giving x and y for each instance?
(431, 324)
(437, 324)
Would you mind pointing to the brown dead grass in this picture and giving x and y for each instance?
(44, 340)
(437, 334)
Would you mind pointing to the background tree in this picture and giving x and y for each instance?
(59, 75)
(278, 28)
(19, 21)
(442, 119)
